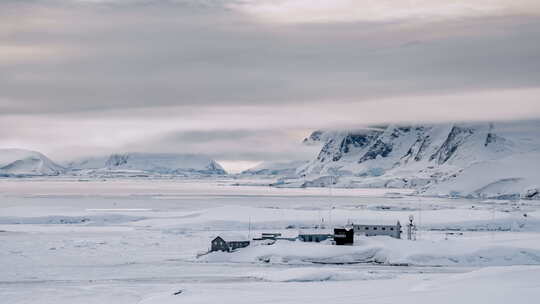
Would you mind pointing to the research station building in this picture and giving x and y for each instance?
(374, 230)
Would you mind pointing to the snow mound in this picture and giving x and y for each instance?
(311, 274)
(276, 168)
(18, 162)
(384, 250)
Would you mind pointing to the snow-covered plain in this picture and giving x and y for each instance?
(137, 241)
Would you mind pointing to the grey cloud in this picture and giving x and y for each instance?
(177, 53)
(213, 136)
(230, 145)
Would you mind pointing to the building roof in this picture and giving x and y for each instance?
(370, 223)
(233, 237)
(316, 231)
(349, 227)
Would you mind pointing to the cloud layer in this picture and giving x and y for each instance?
(316, 11)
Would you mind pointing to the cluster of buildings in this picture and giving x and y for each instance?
(340, 236)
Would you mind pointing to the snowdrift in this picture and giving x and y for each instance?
(276, 168)
(384, 250)
(318, 274)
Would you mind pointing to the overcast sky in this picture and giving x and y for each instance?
(245, 81)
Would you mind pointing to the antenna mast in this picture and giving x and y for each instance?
(331, 206)
(419, 217)
(249, 228)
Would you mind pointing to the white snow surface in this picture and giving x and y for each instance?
(276, 168)
(385, 250)
(487, 285)
(143, 241)
(317, 274)
(509, 176)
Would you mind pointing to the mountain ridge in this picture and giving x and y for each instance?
(157, 163)
(429, 157)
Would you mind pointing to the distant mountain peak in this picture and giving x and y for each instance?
(19, 162)
(152, 163)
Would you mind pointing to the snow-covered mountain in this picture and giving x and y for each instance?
(462, 159)
(18, 162)
(87, 163)
(276, 168)
(149, 163)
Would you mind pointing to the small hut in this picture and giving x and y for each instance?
(228, 243)
(344, 236)
(268, 236)
(316, 235)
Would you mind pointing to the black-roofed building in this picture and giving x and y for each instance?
(344, 236)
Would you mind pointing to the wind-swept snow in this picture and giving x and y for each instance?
(493, 285)
(317, 274)
(385, 250)
(509, 177)
(144, 241)
(276, 168)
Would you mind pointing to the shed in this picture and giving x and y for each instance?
(268, 236)
(314, 236)
(344, 236)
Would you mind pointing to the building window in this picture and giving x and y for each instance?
(374, 228)
(392, 229)
(383, 228)
(367, 228)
